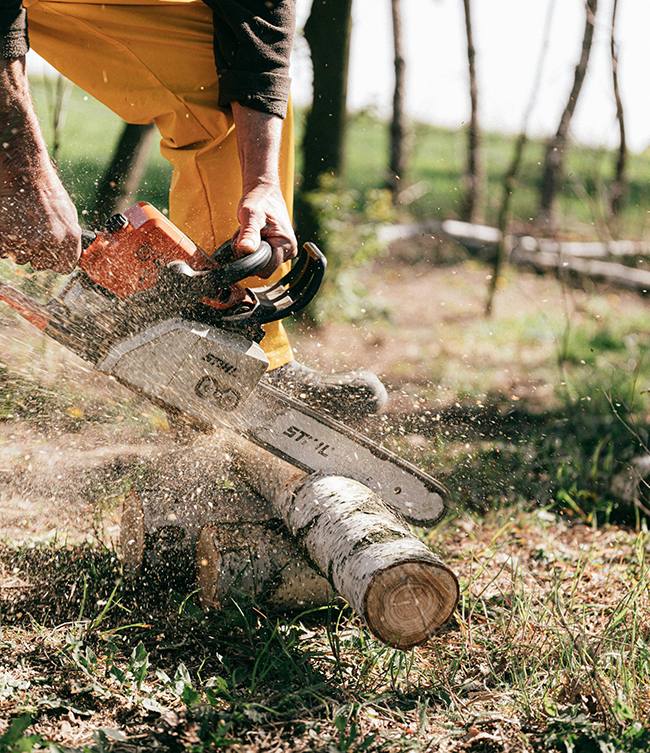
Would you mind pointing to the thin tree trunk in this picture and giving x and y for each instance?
(512, 173)
(618, 189)
(398, 127)
(125, 170)
(327, 32)
(556, 148)
(470, 209)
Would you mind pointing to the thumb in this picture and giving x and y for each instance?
(249, 236)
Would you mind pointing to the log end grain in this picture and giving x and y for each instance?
(408, 601)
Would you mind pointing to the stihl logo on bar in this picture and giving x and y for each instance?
(215, 360)
(293, 432)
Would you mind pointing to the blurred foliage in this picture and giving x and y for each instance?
(437, 164)
(341, 221)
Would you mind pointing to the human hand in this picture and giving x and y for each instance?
(263, 215)
(38, 221)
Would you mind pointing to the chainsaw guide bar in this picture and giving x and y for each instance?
(213, 377)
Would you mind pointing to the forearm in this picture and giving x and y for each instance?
(258, 139)
(262, 211)
(38, 221)
(22, 147)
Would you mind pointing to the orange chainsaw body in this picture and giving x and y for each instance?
(128, 260)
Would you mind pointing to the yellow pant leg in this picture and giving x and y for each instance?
(152, 61)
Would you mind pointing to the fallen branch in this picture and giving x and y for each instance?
(619, 275)
(586, 249)
(483, 240)
(580, 259)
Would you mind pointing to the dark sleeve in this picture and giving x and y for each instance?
(13, 30)
(252, 47)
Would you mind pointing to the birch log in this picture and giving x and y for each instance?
(255, 561)
(482, 240)
(619, 275)
(187, 518)
(369, 554)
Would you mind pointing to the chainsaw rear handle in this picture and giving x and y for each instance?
(232, 269)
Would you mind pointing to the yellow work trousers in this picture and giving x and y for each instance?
(152, 61)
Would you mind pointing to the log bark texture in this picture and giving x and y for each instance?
(370, 556)
(556, 148)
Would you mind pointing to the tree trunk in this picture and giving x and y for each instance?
(124, 172)
(512, 173)
(387, 575)
(556, 148)
(618, 188)
(398, 128)
(327, 32)
(470, 210)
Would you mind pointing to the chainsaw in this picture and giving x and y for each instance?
(173, 323)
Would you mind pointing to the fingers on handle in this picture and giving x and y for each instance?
(249, 235)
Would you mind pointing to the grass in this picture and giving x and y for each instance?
(540, 651)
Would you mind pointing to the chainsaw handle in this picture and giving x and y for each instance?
(293, 292)
(233, 268)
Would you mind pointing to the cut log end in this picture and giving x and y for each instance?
(408, 601)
